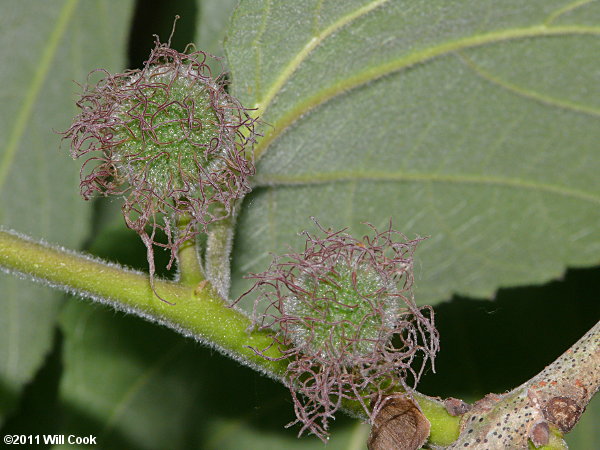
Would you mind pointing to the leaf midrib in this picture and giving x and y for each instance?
(279, 126)
(293, 65)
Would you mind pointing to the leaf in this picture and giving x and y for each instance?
(123, 381)
(233, 435)
(46, 46)
(135, 385)
(211, 24)
(213, 16)
(474, 123)
(586, 433)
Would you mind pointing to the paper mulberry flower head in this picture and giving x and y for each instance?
(343, 313)
(170, 139)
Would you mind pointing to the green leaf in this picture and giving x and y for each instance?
(213, 16)
(211, 25)
(123, 379)
(586, 433)
(46, 46)
(233, 435)
(473, 122)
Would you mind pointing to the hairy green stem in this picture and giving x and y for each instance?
(445, 428)
(219, 243)
(188, 261)
(197, 312)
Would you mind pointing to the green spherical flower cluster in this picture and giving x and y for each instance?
(343, 314)
(170, 126)
(171, 140)
(339, 312)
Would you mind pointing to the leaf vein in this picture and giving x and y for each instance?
(565, 10)
(139, 384)
(271, 180)
(293, 65)
(43, 68)
(524, 92)
(418, 57)
(258, 48)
